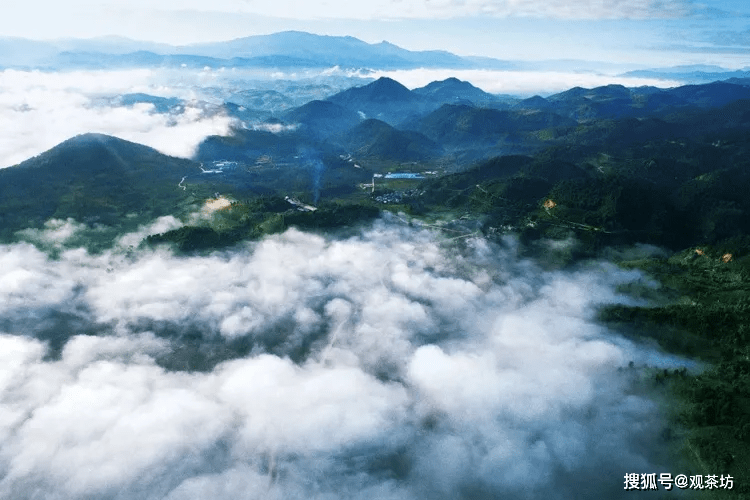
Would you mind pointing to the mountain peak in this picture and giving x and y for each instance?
(384, 99)
(92, 140)
(92, 137)
(92, 177)
(383, 89)
(453, 90)
(385, 84)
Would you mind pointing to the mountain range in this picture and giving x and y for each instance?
(284, 49)
(326, 147)
(699, 73)
(298, 49)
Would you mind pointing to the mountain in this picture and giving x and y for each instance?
(693, 74)
(710, 95)
(109, 45)
(617, 101)
(610, 101)
(534, 102)
(251, 146)
(265, 100)
(161, 104)
(374, 138)
(687, 68)
(455, 91)
(462, 125)
(141, 58)
(676, 125)
(278, 50)
(745, 82)
(677, 181)
(384, 99)
(19, 52)
(383, 90)
(322, 118)
(92, 178)
(253, 162)
(603, 93)
(344, 51)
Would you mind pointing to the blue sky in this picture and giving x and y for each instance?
(651, 32)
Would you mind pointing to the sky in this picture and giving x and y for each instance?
(651, 32)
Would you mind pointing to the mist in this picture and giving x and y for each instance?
(391, 364)
(38, 110)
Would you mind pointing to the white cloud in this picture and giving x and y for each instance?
(431, 9)
(274, 128)
(160, 225)
(56, 232)
(390, 365)
(38, 110)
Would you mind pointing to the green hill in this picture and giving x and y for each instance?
(93, 178)
(374, 138)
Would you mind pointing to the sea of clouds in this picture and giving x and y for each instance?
(392, 364)
(40, 109)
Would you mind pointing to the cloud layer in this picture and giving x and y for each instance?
(389, 365)
(420, 9)
(38, 110)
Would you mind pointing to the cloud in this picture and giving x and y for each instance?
(274, 128)
(38, 110)
(56, 232)
(392, 364)
(160, 225)
(440, 9)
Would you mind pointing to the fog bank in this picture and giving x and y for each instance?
(390, 365)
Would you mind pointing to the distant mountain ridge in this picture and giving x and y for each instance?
(615, 101)
(344, 51)
(388, 100)
(380, 120)
(283, 49)
(698, 73)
